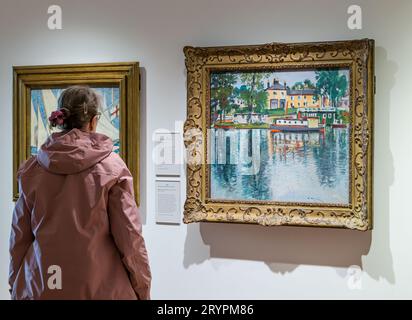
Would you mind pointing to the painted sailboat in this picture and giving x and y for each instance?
(43, 103)
(34, 127)
(48, 106)
(106, 126)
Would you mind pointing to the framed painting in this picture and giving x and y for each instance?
(281, 134)
(36, 92)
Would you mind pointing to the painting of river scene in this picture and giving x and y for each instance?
(281, 136)
(44, 101)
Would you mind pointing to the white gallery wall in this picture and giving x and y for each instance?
(205, 261)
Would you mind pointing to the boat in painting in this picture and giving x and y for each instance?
(296, 125)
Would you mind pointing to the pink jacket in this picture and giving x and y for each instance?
(77, 211)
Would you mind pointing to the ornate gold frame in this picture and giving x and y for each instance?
(358, 55)
(124, 75)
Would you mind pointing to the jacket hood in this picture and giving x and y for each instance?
(70, 152)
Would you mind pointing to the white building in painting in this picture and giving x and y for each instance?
(256, 118)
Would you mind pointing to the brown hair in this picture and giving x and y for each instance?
(78, 104)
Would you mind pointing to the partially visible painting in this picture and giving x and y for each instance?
(281, 134)
(36, 93)
(44, 101)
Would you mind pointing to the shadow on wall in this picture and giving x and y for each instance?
(283, 249)
(379, 262)
(277, 246)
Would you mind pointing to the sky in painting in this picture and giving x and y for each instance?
(291, 77)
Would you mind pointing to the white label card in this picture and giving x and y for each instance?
(168, 202)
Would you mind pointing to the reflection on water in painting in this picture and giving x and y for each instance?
(258, 164)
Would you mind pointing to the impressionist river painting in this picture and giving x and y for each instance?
(280, 136)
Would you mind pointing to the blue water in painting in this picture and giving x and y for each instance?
(257, 164)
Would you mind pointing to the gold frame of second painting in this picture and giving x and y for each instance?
(358, 56)
(122, 75)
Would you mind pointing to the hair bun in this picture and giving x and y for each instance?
(56, 118)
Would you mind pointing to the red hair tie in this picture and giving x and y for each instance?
(56, 118)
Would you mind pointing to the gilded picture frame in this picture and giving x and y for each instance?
(121, 80)
(355, 58)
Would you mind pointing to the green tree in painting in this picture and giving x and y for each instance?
(252, 92)
(309, 84)
(306, 84)
(331, 84)
(221, 93)
(297, 86)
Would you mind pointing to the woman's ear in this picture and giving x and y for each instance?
(93, 124)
